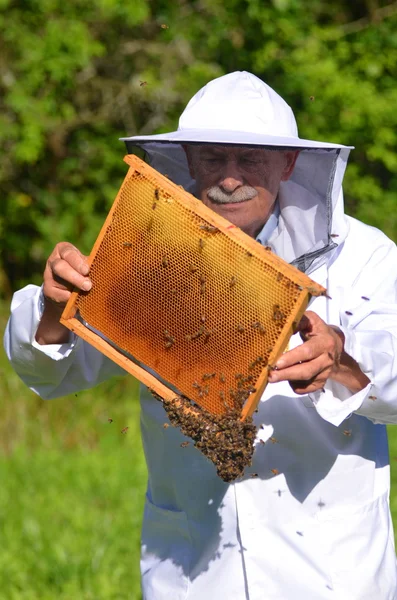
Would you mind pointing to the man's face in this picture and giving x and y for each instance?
(240, 183)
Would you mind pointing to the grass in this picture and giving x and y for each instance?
(72, 491)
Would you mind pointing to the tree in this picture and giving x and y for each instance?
(76, 76)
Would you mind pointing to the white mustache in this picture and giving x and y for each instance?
(217, 195)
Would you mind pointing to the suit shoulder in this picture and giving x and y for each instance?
(364, 236)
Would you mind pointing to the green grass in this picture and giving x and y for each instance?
(71, 492)
(72, 489)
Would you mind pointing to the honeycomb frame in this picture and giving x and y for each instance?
(184, 300)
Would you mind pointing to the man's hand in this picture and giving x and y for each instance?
(319, 358)
(66, 268)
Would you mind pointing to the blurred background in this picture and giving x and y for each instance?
(74, 77)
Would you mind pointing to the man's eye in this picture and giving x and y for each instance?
(250, 161)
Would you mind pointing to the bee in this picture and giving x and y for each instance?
(209, 228)
(173, 291)
(372, 398)
(202, 318)
(262, 442)
(192, 268)
(150, 224)
(279, 493)
(249, 254)
(365, 298)
(222, 377)
(233, 281)
(275, 471)
(201, 244)
(240, 328)
(203, 287)
(268, 248)
(334, 235)
(207, 336)
(198, 333)
(142, 83)
(347, 432)
(196, 385)
(185, 444)
(124, 430)
(257, 325)
(188, 337)
(278, 315)
(164, 26)
(238, 376)
(157, 194)
(311, 98)
(253, 475)
(207, 376)
(110, 420)
(202, 279)
(127, 244)
(273, 440)
(166, 425)
(222, 396)
(279, 276)
(154, 205)
(164, 262)
(320, 504)
(169, 340)
(347, 312)
(255, 363)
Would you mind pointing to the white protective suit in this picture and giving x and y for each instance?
(321, 528)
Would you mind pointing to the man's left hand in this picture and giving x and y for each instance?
(308, 366)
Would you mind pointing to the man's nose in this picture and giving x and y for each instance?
(231, 177)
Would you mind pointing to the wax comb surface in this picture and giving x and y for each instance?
(185, 300)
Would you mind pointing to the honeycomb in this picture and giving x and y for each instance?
(183, 299)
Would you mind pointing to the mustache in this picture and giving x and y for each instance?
(217, 195)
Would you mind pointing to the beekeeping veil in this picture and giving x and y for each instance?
(240, 109)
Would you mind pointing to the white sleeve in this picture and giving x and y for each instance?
(368, 318)
(51, 370)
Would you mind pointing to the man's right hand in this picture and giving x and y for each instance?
(66, 268)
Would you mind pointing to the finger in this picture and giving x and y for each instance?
(310, 324)
(308, 387)
(304, 371)
(64, 275)
(303, 353)
(73, 257)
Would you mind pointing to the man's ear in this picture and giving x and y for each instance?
(189, 159)
(290, 160)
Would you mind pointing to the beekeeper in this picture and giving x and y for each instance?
(315, 523)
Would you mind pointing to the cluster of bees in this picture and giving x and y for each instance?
(224, 439)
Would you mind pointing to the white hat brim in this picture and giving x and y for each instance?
(222, 136)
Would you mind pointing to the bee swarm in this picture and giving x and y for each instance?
(224, 439)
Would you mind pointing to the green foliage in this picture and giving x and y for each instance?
(76, 76)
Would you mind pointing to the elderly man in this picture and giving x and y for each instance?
(315, 523)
